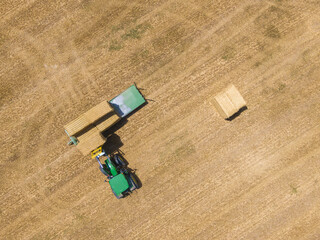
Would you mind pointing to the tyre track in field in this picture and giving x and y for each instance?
(206, 58)
(210, 167)
(83, 67)
(160, 97)
(94, 191)
(202, 86)
(98, 56)
(123, 76)
(57, 84)
(272, 202)
(59, 216)
(205, 195)
(53, 84)
(296, 210)
(8, 13)
(25, 125)
(204, 137)
(20, 193)
(59, 202)
(20, 150)
(50, 50)
(48, 84)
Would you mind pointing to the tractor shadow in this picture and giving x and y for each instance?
(113, 144)
(237, 113)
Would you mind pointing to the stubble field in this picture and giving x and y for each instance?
(256, 177)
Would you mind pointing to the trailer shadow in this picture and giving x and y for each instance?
(110, 131)
(140, 91)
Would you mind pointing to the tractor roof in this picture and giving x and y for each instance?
(119, 184)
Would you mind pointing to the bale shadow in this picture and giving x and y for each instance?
(237, 113)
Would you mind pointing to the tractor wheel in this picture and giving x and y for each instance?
(119, 161)
(104, 171)
(118, 197)
(133, 182)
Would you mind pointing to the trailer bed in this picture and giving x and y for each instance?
(85, 131)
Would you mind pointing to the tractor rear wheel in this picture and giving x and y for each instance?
(119, 161)
(104, 171)
(133, 182)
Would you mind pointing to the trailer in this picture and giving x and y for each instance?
(85, 132)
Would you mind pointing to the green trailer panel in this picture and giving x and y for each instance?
(127, 101)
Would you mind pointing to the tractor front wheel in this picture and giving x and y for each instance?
(119, 161)
(133, 182)
(117, 196)
(104, 171)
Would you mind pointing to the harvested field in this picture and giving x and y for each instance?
(255, 177)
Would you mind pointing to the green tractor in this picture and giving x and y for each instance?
(120, 178)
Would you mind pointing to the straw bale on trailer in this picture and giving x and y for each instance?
(90, 140)
(87, 118)
(88, 126)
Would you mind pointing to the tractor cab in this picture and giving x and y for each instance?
(119, 184)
